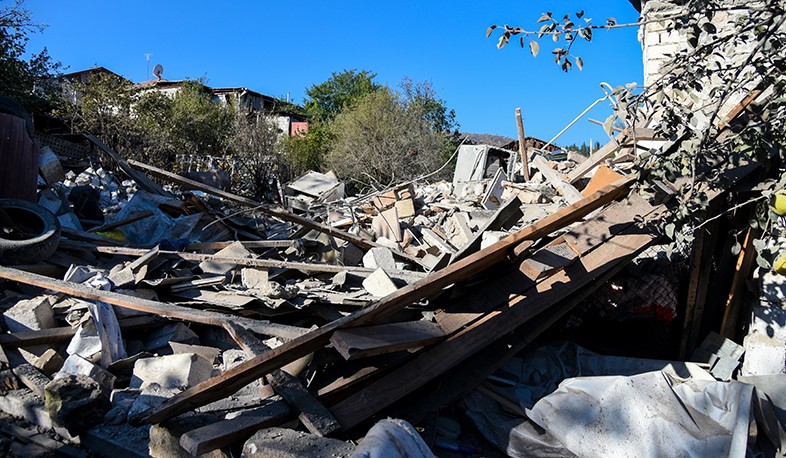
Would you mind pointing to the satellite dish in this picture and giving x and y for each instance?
(158, 70)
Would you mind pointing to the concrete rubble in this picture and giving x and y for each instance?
(203, 323)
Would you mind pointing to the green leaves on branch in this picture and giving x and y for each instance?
(563, 30)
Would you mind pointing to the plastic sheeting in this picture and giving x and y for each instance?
(670, 409)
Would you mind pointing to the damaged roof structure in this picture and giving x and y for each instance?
(146, 313)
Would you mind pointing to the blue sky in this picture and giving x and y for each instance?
(280, 48)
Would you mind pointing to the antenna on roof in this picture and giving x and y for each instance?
(147, 58)
(158, 70)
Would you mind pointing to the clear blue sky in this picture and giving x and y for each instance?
(280, 48)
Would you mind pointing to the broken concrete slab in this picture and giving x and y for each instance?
(379, 284)
(77, 365)
(379, 257)
(160, 338)
(209, 353)
(30, 315)
(171, 371)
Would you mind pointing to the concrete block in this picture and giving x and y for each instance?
(254, 278)
(30, 315)
(405, 208)
(379, 258)
(76, 402)
(76, 365)
(50, 362)
(764, 355)
(209, 353)
(379, 284)
(152, 395)
(172, 371)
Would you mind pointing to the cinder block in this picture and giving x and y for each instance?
(379, 284)
(30, 315)
(171, 371)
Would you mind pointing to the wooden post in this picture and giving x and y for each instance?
(522, 146)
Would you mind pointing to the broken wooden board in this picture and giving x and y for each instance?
(547, 260)
(145, 305)
(602, 177)
(239, 376)
(64, 334)
(226, 432)
(362, 342)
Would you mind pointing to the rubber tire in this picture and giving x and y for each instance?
(33, 249)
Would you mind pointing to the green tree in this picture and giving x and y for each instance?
(381, 139)
(102, 107)
(326, 100)
(30, 81)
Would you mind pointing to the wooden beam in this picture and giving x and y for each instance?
(227, 432)
(250, 262)
(596, 158)
(745, 262)
(239, 376)
(145, 305)
(523, 150)
(64, 334)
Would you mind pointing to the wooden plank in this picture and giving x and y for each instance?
(522, 146)
(64, 334)
(546, 261)
(701, 272)
(141, 180)
(412, 375)
(473, 371)
(272, 211)
(145, 305)
(247, 245)
(745, 262)
(239, 376)
(314, 416)
(571, 194)
(227, 432)
(362, 342)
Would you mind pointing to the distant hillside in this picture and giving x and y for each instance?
(487, 139)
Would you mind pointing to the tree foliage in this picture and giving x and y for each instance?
(326, 100)
(383, 139)
(28, 81)
(732, 49)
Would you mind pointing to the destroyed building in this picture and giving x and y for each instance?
(146, 313)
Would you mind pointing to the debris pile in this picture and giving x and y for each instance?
(197, 320)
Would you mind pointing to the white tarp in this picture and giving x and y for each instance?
(667, 409)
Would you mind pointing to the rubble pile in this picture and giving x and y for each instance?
(181, 319)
